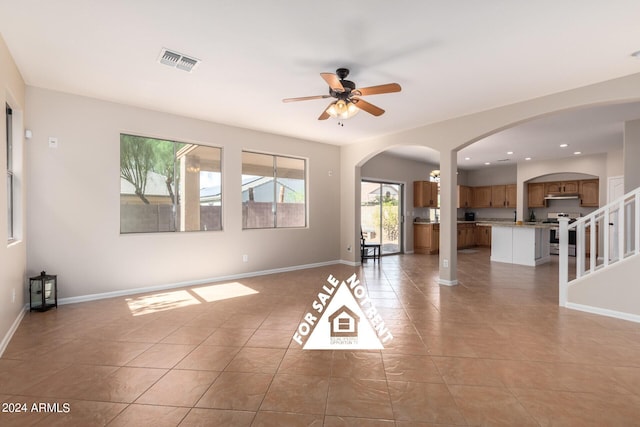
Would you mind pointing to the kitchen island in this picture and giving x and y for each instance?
(525, 244)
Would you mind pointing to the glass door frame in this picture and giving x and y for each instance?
(401, 209)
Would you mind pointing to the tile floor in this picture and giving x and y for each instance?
(495, 350)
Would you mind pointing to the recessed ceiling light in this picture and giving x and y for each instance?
(509, 152)
(487, 163)
(467, 158)
(564, 145)
(527, 158)
(577, 152)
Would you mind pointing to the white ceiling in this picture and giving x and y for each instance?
(451, 58)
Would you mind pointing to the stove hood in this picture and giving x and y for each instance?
(562, 196)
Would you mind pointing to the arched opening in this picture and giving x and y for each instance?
(459, 134)
(392, 219)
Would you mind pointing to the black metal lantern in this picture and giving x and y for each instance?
(43, 292)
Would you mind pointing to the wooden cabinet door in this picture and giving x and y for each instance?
(590, 192)
(421, 238)
(435, 239)
(536, 195)
(418, 194)
(511, 195)
(425, 194)
(552, 188)
(433, 194)
(482, 197)
(464, 196)
(498, 196)
(483, 236)
(570, 187)
(426, 238)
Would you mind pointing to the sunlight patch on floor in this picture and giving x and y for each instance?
(154, 303)
(223, 291)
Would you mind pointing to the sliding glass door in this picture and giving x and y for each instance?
(381, 215)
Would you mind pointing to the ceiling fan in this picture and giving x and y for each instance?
(348, 98)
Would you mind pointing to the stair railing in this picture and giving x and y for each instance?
(603, 237)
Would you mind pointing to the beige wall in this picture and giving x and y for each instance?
(74, 201)
(613, 289)
(12, 258)
(631, 155)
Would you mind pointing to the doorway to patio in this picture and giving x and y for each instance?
(381, 214)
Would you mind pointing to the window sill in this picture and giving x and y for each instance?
(13, 242)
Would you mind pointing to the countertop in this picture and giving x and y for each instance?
(514, 224)
(495, 222)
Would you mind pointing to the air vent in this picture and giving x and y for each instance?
(503, 160)
(177, 60)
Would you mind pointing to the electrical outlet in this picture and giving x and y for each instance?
(13, 295)
(245, 258)
(53, 142)
(445, 263)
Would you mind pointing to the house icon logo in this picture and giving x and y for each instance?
(344, 324)
(342, 317)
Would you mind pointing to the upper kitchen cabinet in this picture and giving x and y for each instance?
(589, 190)
(504, 196)
(536, 195)
(465, 196)
(425, 194)
(564, 187)
(482, 197)
(498, 196)
(494, 196)
(511, 193)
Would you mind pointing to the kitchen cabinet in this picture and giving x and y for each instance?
(563, 187)
(483, 236)
(481, 197)
(465, 196)
(466, 235)
(425, 194)
(589, 191)
(426, 238)
(511, 195)
(536, 195)
(494, 196)
(498, 196)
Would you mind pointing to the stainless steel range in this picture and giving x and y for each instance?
(554, 234)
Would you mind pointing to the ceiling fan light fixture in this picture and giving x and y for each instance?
(342, 109)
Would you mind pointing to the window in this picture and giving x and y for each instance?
(169, 186)
(273, 191)
(10, 176)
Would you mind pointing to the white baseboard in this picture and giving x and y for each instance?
(350, 263)
(14, 326)
(604, 312)
(124, 292)
(447, 282)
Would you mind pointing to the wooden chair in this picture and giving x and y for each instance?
(368, 250)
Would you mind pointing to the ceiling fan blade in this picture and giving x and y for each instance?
(306, 98)
(325, 114)
(376, 90)
(333, 81)
(368, 107)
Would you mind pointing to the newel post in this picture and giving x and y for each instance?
(563, 288)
